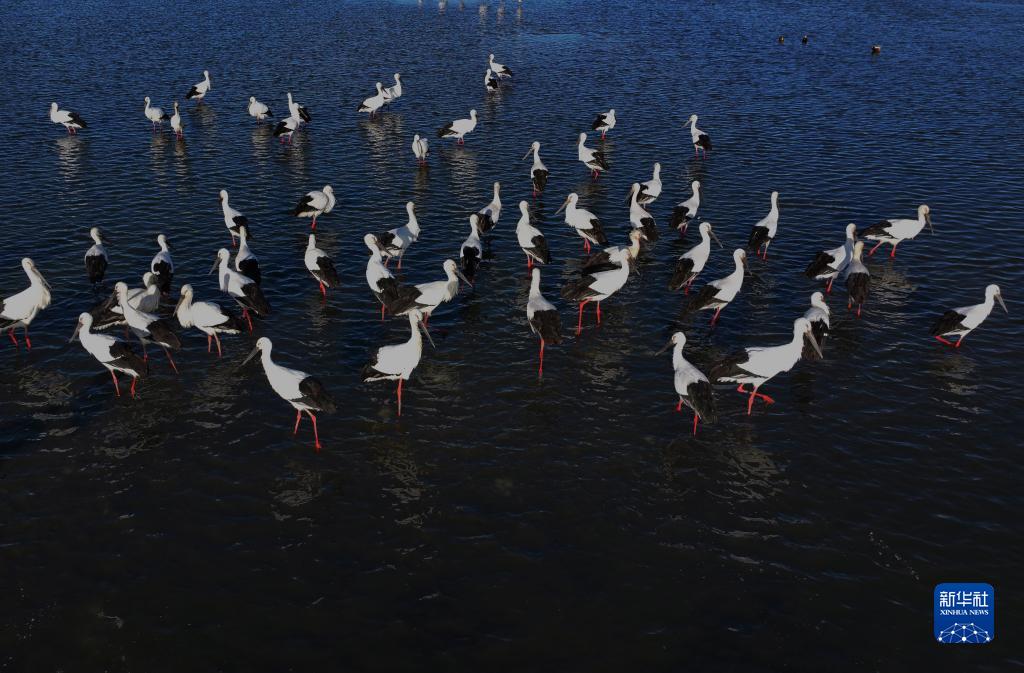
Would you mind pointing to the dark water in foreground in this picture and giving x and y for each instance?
(505, 524)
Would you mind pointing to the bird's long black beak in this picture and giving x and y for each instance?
(216, 263)
(463, 277)
(75, 334)
(248, 357)
(665, 347)
(999, 298)
(928, 219)
(815, 345)
(426, 332)
(562, 207)
(715, 236)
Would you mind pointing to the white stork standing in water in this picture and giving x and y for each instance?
(396, 242)
(542, 316)
(458, 128)
(830, 263)
(593, 159)
(491, 81)
(651, 190)
(147, 327)
(96, 260)
(819, 316)
(858, 279)
(602, 261)
(207, 317)
(692, 387)
(538, 172)
(420, 149)
(232, 218)
(69, 120)
(246, 261)
(763, 233)
(426, 297)
(960, 322)
(500, 71)
(162, 266)
(895, 232)
(583, 221)
(176, 125)
(398, 361)
(719, 293)
(686, 210)
(692, 262)
(490, 213)
(604, 123)
(315, 203)
(639, 217)
(380, 279)
(298, 112)
(759, 365)
(304, 392)
(146, 299)
(198, 91)
(111, 352)
(530, 239)
(471, 254)
(599, 285)
(393, 93)
(21, 309)
(257, 110)
(155, 115)
(374, 103)
(320, 266)
(701, 140)
(286, 128)
(240, 287)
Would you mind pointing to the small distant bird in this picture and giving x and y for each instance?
(96, 257)
(686, 210)
(22, 308)
(604, 123)
(420, 149)
(651, 190)
(398, 361)
(155, 115)
(538, 172)
(458, 128)
(374, 103)
(530, 239)
(320, 266)
(257, 110)
(315, 203)
(591, 158)
(692, 262)
(472, 251)
(876, 49)
(198, 91)
(858, 279)
(819, 316)
(701, 141)
(542, 317)
(896, 231)
(583, 221)
(111, 352)
(396, 242)
(246, 262)
(304, 392)
(804, 39)
(207, 317)
(639, 217)
(782, 39)
(763, 233)
(232, 218)
(69, 120)
(719, 293)
(176, 124)
(285, 129)
(960, 322)
(501, 71)
(162, 265)
(830, 263)
(757, 366)
(692, 387)
(490, 213)
(393, 93)
(491, 81)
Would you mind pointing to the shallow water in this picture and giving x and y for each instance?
(503, 522)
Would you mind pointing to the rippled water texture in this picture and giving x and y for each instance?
(505, 524)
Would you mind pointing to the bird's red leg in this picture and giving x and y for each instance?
(117, 388)
(529, 262)
(858, 309)
(579, 323)
(28, 341)
(135, 379)
(944, 340)
(10, 333)
(245, 314)
(316, 433)
(875, 248)
(750, 401)
(598, 313)
(322, 290)
(828, 287)
(313, 226)
(679, 406)
(171, 360)
(893, 253)
(399, 262)
(399, 397)
(540, 367)
(209, 343)
(960, 340)
(217, 339)
(298, 419)
(382, 312)
(714, 318)
(695, 417)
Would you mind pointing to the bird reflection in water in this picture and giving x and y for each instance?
(70, 149)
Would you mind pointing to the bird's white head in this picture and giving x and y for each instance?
(695, 186)
(611, 112)
(187, 291)
(677, 339)
(148, 279)
(410, 208)
(121, 289)
(252, 99)
(84, 322)
(775, 197)
(147, 100)
(398, 77)
(692, 120)
(858, 249)
(497, 188)
(53, 107)
(371, 242)
(851, 230)
(96, 235)
(206, 74)
(993, 292)
(27, 264)
(570, 201)
(635, 235)
(739, 255)
(472, 115)
(583, 138)
(243, 233)
(490, 57)
(474, 223)
(818, 300)
(379, 87)
(262, 344)
(223, 195)
(524, 207)
(161, 240)
(634, 188)
(311, 241)
(328, 189)
(416, 138)
(657, 168)
(926, 213)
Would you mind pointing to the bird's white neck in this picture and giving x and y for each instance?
(535, 286)
(677, 356)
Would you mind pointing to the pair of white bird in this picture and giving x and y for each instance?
(384, 96)
(157, 116)
(297, 116)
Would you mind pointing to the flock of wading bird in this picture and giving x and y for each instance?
(141, 311)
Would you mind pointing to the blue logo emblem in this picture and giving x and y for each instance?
(965, 613)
